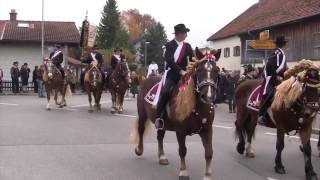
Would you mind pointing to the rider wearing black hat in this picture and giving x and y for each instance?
(115, 58)
(177, 53)
(57, 58)
(273, 74)
(96, 56)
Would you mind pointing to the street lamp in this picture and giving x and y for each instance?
(145, 53)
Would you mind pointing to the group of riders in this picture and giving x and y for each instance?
(94, 56)
(177, 55)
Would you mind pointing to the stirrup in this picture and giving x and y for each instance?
(159, 124)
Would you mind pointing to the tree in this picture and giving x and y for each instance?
(109, 25)
(157, 38)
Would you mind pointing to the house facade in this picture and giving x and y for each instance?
(20, 40)
(298, 21)
(230, 58)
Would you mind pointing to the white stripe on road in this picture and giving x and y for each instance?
(125, 115)
(223, 127)
(8, 104)
(84, 105)
(269, 178)
(295, 137)
(66, 109)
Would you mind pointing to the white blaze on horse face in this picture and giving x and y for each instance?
(94, 78)
(208, 67)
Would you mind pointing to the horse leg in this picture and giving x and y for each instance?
(240, 133)
(305, 139)
(90, 101)
(114, 103)
(319, 143)
(48, 99)
(56, 97)
(141, 128)
(121, 99)
(63, 100)
(250, 128)
(183, 174)
(162, 158)
(99, 93)
(206, 137)
(279, 168)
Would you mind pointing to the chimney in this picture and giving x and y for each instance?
(13, 15)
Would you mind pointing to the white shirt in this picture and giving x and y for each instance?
(153, 68)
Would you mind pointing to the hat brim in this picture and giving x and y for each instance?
(182, 31)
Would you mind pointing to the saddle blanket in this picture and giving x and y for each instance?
(255, 98)
(152, 96)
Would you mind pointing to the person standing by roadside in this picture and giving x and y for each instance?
(39, 79)
(25, 71)
(15, 74)
(230, 88)
(1, 77)
(34, 79)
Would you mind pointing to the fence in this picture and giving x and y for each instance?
(7, 86)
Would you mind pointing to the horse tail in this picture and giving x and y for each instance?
(68, 91)
(135, 138)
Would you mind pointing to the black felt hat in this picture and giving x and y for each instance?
(180, 28)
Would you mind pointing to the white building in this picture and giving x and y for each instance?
(230, 58)
(20, 40)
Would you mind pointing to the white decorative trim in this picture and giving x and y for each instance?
(4, 28)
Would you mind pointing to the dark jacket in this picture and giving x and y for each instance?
(114, 62)
(15, 73)
(58, 59)
(174, 73)
(231, 84)
(98, 57)
(272, 66)
(24, 72)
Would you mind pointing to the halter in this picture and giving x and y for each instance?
(207, 81)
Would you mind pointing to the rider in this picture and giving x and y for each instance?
(57, 58)
(116, 58)
(96, 56)
(273, 75)
(176, 56)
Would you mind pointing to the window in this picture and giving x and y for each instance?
(236, 51)
(226, 52)
(316, 40)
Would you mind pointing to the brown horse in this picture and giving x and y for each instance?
(195, 118)
(54, 83)
(299, 116)
(118, 83)
(93, 83)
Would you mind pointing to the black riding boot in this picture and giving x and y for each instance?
(161, 105)
(262, 120)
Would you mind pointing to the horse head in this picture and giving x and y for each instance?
(310, 92)
(52, 71)
(206, 74)
(94, 75)
(123, 71)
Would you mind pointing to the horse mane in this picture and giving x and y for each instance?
(45, 76)
(287, 93)
(184, 102)
(291, 89)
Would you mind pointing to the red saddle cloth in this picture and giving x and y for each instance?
(255, 98)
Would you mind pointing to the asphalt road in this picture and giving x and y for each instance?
(72, 144)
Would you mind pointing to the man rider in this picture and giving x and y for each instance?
(57, 58)
(273, 75)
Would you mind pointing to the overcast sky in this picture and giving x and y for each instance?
(203, 17)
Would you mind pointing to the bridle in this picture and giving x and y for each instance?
(207, 81)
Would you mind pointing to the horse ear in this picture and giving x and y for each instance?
(199, 54)
(216, 53)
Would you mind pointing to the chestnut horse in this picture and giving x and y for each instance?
(118, 83)
(54, 83)
(197, 115)
(299, 117)
(93, 83)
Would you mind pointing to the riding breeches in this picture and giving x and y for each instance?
(267, 100)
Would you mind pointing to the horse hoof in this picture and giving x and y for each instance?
(240, 148)
(280, 170)
(120, 112)
(207, 178)
(250, 155)
(164, 161)
(60, 106)
(184, 178)
(112, 111)
(90, 111)
(301, 148)
(48, 109)
(312, 176)
(138, 152)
